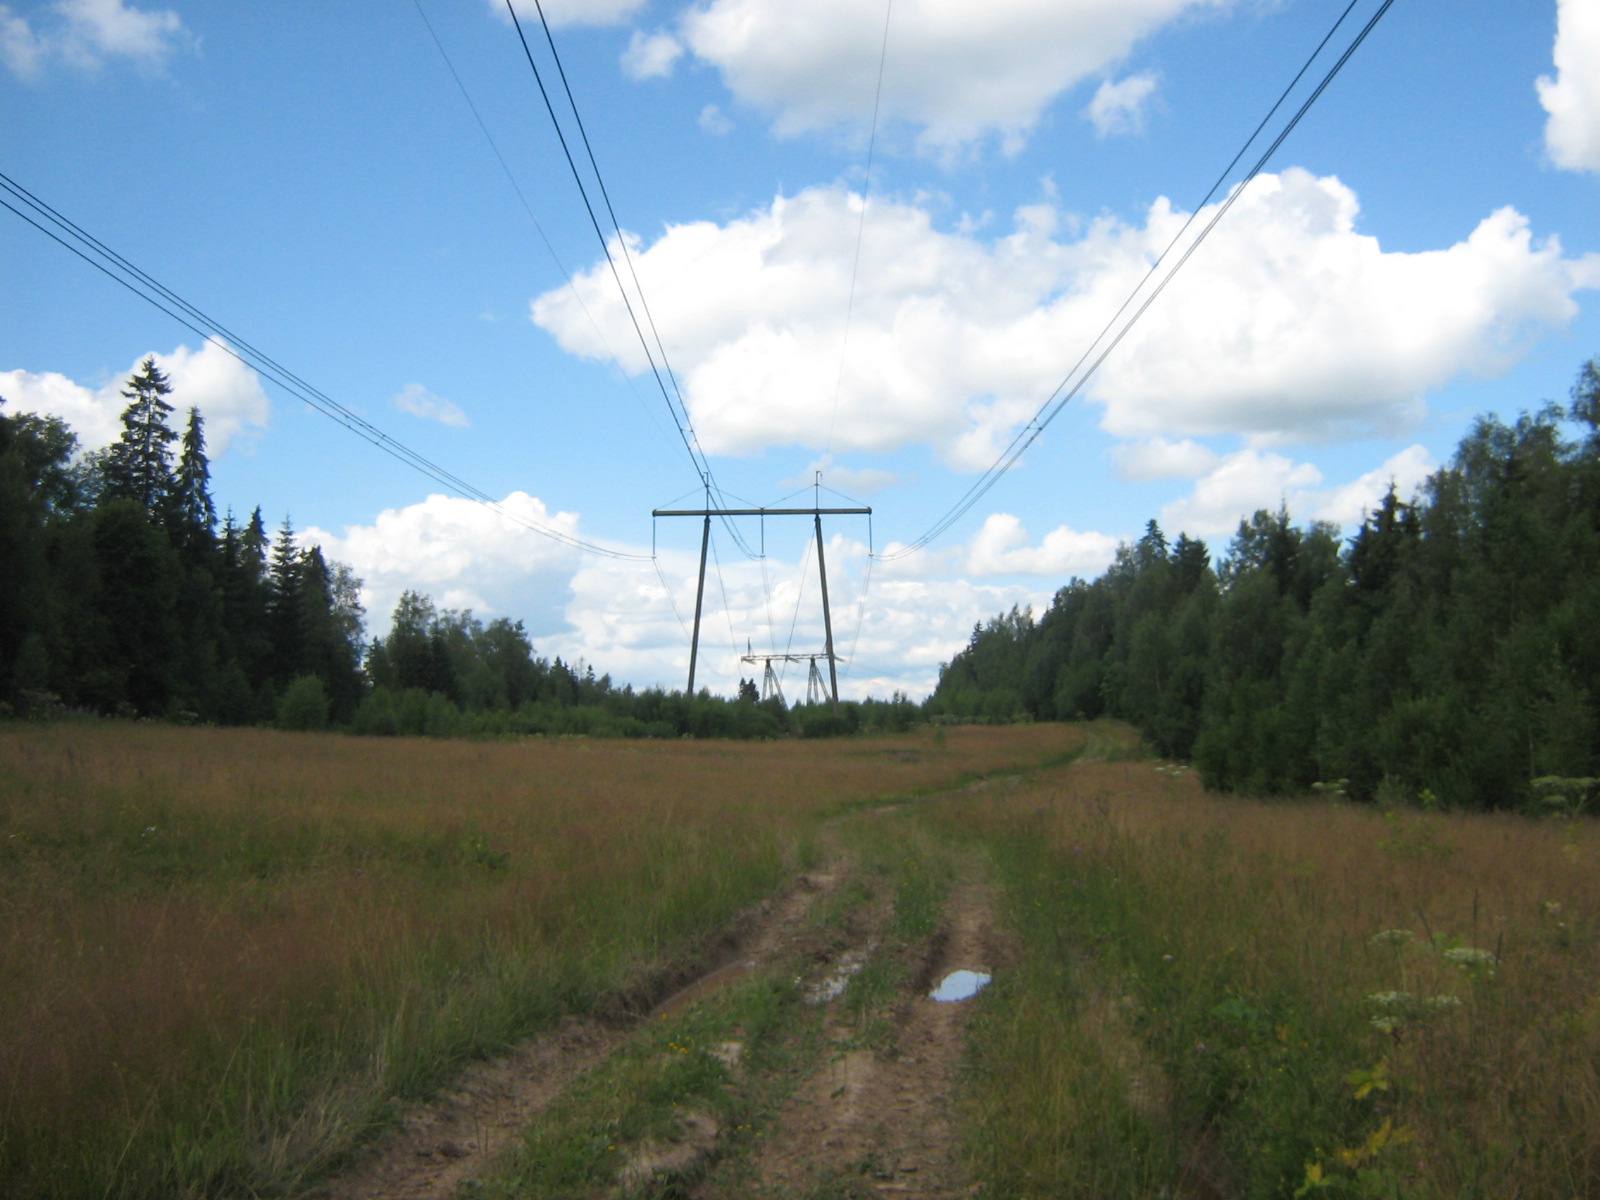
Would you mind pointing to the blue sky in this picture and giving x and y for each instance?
(1422, 249)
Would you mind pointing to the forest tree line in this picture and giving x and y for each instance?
(124, 593)
(1448, 653)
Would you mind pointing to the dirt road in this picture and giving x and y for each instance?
(864, 1106)
(879, 1119)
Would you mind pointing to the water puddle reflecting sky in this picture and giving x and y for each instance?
(960, 985)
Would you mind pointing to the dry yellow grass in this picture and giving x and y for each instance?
(222, 951)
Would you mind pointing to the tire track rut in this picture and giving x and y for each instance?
(875, 1115)
(443, 1144)
(880, 1120)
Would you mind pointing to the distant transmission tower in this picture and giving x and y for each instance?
(814, 685)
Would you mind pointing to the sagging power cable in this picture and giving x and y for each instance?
(538, 227)
(662, 370)
(113, 265)
(1089, 362)
(861, 230)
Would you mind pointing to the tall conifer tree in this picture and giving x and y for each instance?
(192, 514)
(138, 466)
(283, 595)
(253, 546)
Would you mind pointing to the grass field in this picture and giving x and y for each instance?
(1223, 997)
(227, 957)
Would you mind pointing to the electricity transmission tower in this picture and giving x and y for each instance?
(814, 684)
(816, 690)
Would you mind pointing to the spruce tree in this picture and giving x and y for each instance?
(283, 608)
(1191, 559)
(24, 584)
(253, 550)
(191, 515)
(322, 648)
(245, 601)
(138, 466)
(136, 593)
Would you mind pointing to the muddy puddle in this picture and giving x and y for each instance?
(832, 985)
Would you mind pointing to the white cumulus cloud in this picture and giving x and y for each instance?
(1237, 486)
(20, 48)
(852, 481)
(464, 555)
(1241, 483)
(1157, 458)
(1572, 98)
(420, 402)
(1348, 505)
(1288, 324)
(957, 73)
(1118, 108)
(91, 415)
(652, 56)
(88, 35)
(1001, 548)
(226, 391)
(714, 121)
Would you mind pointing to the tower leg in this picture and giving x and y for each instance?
(827, 617)
(699, 598)
(816, 690)
(770, 686)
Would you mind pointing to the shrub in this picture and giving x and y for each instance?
(304, 705)
(376, 717)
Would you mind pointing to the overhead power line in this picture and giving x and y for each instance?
(106, 260)
(505, 167)
(662, 370)
(861, 229)
(1112, 334)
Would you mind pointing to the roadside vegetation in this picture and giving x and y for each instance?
(1224, 997)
